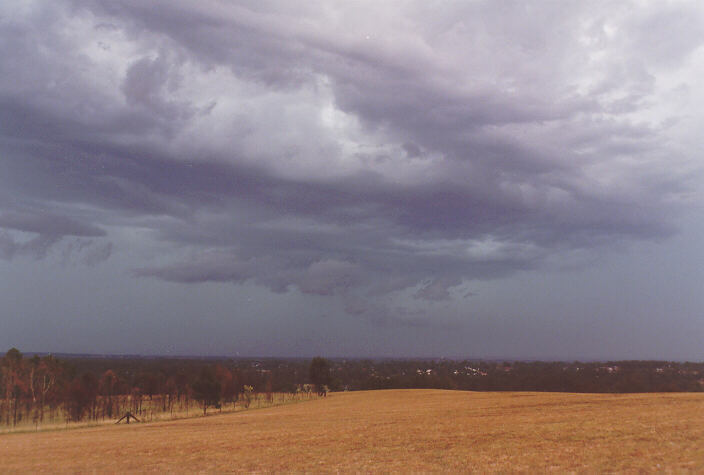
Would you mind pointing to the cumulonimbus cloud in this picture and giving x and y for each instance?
(357, 151)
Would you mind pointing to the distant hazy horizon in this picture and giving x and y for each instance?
(60, 355)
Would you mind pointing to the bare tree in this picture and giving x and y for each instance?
(15, 387)
(108, 385)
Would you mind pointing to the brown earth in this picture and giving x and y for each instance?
(418, 430)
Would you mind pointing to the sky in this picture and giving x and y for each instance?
(475, 179)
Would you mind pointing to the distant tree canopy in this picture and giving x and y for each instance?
(319, 374)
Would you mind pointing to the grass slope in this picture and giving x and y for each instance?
(399, 430)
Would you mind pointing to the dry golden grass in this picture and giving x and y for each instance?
(417, 430)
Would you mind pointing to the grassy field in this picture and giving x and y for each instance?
(421, 430)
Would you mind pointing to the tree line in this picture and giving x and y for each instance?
(38, 388)
(41, 389)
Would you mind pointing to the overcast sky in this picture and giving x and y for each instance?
(463, 179)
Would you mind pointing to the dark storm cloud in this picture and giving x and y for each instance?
(42, 223)
(358, 153)
(37, 247)
(45, 231)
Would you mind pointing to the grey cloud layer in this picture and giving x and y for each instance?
(358, 151)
